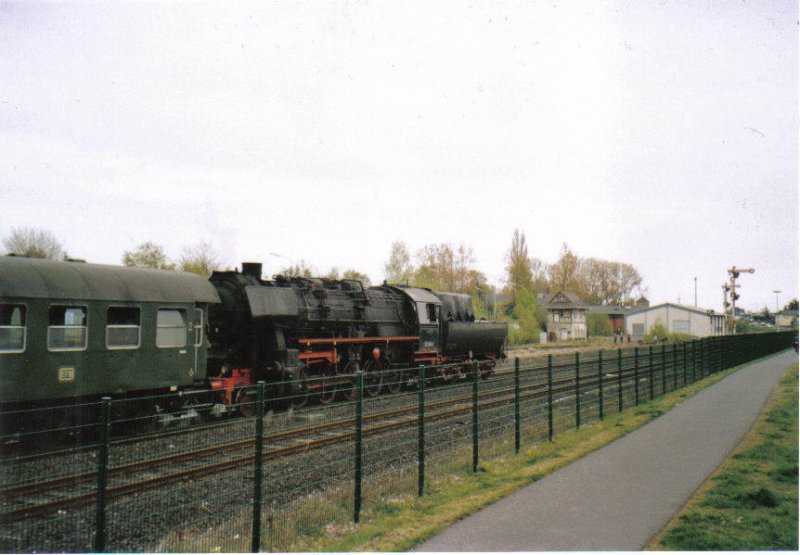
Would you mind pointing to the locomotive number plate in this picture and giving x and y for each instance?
(66, 374)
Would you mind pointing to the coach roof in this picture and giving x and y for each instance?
(24, 277)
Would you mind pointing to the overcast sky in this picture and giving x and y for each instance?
(662, 134)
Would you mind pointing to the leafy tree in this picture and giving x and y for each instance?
(355, 274)
(148, 255)
(791, 305)
(518, 265)
(36, 243)
(200, 259)
(444, 267)
(398, 269)
(563, 273)
(529, 316)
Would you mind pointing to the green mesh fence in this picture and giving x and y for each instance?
(296, 462)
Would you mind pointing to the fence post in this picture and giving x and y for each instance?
(421, 432)
(517, 439)
(259, 466)
(663, 369)
(600, 381)
(358, 453)
(674, 366)
(474, 416)
(650, 371)
(550, 397)
(577, 389)
(685, 366)
(619, 377)
(636, 375)
(102, 475)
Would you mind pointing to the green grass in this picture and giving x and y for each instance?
(399, 523)
(750, 503)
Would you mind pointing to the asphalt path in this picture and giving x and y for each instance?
(620, 496)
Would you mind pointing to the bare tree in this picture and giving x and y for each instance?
(200, 259)
(539, 271)
(33, 242)
(301, 269)
(148, 255)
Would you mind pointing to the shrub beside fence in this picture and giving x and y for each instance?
(267, 481)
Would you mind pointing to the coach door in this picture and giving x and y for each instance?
(199, 338)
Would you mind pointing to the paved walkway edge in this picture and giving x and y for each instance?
(620, 496)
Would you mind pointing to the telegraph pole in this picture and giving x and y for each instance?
(695, 292)
(777, 292)
(734, 272)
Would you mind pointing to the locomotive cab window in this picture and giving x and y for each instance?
(171, 330)
(427, 313)
(123, 329)
(67, 328)
(12, 328)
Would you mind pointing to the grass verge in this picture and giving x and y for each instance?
(750, 503)
(400, 523)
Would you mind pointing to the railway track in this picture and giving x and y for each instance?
(41, 498)
(79, 490)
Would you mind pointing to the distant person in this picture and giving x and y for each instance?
(629, 338)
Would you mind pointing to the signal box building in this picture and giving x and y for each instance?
(676, 318)
(566, 317)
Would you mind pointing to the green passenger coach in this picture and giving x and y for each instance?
(72, 330)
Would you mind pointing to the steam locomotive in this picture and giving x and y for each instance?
(71, 332)
(316, 334)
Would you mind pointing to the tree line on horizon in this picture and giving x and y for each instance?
(439, 266)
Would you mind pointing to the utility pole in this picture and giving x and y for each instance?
(695, 292)
(734, 272)
(777, 292)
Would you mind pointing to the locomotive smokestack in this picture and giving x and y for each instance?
(252, 269)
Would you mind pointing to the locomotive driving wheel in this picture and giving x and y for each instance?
(303, 395)
(394, 381)
(245, 402)
(373, 378)
(329, 388)
(351, 392)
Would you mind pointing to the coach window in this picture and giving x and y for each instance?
(12, 328)
(198, 327)
(67, 328)
(123, 329)
(171, 328)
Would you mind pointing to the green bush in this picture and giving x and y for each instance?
(598, 324)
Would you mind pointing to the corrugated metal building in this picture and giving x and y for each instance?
(676, 318)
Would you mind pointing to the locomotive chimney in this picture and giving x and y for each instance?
(252, 269)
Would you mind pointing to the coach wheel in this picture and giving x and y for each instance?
(373, 378)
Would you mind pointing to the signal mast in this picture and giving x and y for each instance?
(734, 272)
